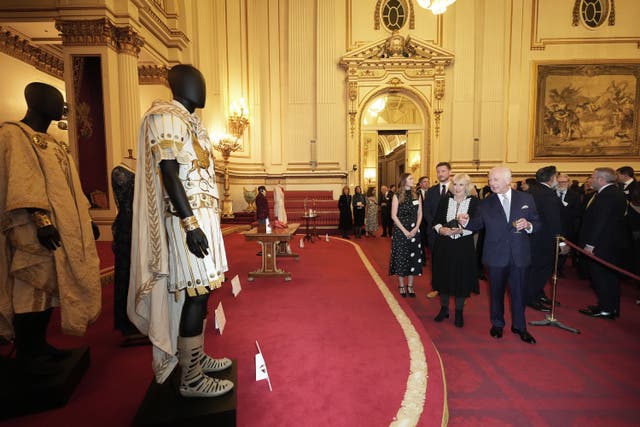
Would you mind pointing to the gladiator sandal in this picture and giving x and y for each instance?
(193, 383)
(208, 363)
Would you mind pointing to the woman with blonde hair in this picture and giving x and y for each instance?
(406, 243)
(455, 269)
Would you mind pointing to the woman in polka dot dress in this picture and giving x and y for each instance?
(406, 244)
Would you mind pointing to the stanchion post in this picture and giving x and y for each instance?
(551, 319)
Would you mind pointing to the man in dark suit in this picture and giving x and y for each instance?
(626, 180)
(423, 188)
(434, 194)
(543, 242)
(571, 213)
(385, 211)
(603, 234)
(507, 250)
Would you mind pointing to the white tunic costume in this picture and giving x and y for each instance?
(161, 263)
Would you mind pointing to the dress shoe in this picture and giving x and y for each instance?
(543, 299)
(410, 291)
(444, 314)
(539, 306)
(597, 313)
(433, 294)
(496, 331)
(524, 335)
(459, 321)
(596, 309)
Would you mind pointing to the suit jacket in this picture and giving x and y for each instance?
(571, 214)
(630, 188)
(549, 208)
(501, 243)
(431, 203)
(604, 224)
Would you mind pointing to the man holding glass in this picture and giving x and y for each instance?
(508, 217)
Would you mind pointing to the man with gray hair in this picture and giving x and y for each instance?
(603, 235)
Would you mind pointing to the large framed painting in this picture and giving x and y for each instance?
(588, 110)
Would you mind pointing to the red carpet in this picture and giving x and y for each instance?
(591, 379)
(335, 352)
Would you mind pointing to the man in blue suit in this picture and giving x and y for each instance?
(508, 217)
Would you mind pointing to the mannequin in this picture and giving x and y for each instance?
(52, 259)
(122, 183)
(170, 284)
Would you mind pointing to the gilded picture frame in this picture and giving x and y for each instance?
(587, 111)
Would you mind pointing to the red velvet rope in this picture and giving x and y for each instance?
(600, 260)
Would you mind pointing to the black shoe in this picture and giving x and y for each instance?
(524, 335)
(539, 306)
(403, 293)
(410, 291)
(597, 313)
(496, 331)
(543, 299)
(459, 321)
(444, 314)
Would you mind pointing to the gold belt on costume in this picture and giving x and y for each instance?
(197, 201)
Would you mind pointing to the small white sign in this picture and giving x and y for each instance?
(261, 368)
(326, 237)
(302, 242)
(235, 286)
(220, 319)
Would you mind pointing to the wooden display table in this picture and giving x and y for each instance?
(270, 242)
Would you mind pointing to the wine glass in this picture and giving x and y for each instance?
(514, 224)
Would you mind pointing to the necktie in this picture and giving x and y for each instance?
(591, 199)
(561, 195)
(505, 205)
(444, 190)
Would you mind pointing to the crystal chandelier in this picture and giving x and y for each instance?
(437, 7)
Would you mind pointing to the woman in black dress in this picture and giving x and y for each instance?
(359, 203)
(406, 243)
(344, 204)
(455, 270)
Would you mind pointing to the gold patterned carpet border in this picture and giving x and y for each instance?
(414, 397)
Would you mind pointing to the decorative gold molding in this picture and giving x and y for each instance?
(100, 32)
(153, 75)
(169, 36)
(391, 59)
(22, 49)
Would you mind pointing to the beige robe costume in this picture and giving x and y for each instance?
(161, 264)
(36, 171)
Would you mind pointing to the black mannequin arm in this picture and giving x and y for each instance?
(196, 239)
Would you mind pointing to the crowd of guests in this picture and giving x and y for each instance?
(508, 230)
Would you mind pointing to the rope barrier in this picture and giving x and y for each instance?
(600, 260)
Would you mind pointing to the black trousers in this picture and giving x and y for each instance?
(606, 284)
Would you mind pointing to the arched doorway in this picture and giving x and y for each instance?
(395, 135)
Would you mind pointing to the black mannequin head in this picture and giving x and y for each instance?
(188, 86)
(44, 104)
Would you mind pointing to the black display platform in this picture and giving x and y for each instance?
(163, 406)
(22, 393)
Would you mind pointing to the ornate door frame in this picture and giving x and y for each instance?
(408, 65)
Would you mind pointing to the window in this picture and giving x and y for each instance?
(394, 14)
(594, 12)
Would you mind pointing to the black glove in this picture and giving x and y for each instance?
(197, 243)
(96, 230)
(49, 237)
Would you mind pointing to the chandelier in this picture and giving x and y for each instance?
(437, 7)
